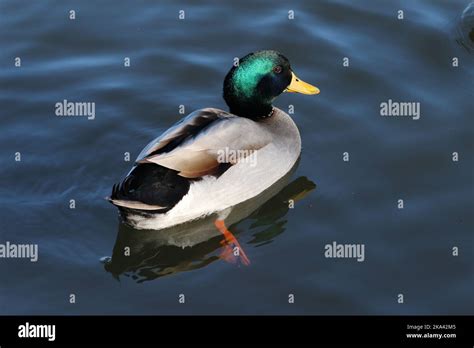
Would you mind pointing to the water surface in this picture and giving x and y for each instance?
(183, 62)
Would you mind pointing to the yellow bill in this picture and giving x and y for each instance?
(299, 86)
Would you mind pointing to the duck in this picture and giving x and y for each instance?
(212, 159)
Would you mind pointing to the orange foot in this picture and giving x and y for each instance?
(230, 243)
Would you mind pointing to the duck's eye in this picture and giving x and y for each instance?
(277, 69)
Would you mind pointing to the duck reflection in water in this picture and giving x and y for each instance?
(148, 254)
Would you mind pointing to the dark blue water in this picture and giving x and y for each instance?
(183, 62)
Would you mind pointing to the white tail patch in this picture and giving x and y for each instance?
(135, 205)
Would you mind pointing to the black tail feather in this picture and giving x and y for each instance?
(151, 184)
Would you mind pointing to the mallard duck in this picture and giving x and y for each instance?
(214, 159)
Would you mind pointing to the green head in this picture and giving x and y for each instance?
(251, 87)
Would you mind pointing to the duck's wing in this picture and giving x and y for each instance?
(197, 145)
(185, 128)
